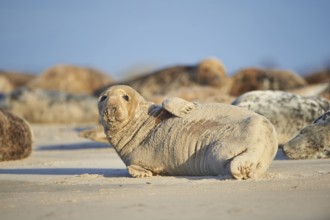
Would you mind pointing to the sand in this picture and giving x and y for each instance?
(68, 177)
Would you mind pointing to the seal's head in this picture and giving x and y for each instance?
(212, 72)
(117, 106)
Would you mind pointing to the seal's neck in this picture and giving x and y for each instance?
(134, 133)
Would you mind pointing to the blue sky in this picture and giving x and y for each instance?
(117, 36)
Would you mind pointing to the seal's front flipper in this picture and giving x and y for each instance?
(177, 106)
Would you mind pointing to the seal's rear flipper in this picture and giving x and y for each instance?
(177, 106)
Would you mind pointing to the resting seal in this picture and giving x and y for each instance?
(17, 79)
(319, 76)
(44, 106)
(289, 113)
(5, 85)
(15, 137)
(250, 79)
(313, 141)
(209, 72)
(182, 138)
(70, 79)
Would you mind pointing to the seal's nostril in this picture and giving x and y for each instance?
(113, 109)
(104, 97)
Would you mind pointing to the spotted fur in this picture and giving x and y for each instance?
(313, 141)
(289, 113)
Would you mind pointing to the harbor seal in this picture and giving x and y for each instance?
(16, 137)
(181, 138)
(313, 141)
(289, 113)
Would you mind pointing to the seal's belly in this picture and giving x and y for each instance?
(187, 147)
(197, 144)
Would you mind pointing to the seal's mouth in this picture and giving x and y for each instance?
(108, 115)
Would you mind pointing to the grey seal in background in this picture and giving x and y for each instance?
(289, 113)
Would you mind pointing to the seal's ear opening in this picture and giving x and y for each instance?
(126, 97)
(102, 98)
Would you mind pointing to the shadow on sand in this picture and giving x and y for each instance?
(280, 155)
(67, 171)
(76, 146)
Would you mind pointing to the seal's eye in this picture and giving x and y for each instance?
(126, 97)
(104, 97)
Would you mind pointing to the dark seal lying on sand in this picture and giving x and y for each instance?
(15, 137)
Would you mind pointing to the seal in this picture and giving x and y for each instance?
(181, 138)
(312, 90)
(326, 93)
(16, 137)
(313, 141)
(70, 79)
(94, 134)
(17, 79)
(5, 85)
(44, 106)
(250, 79)
(289, 113)
(318, 76)
(209, 72)
(200, 94)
